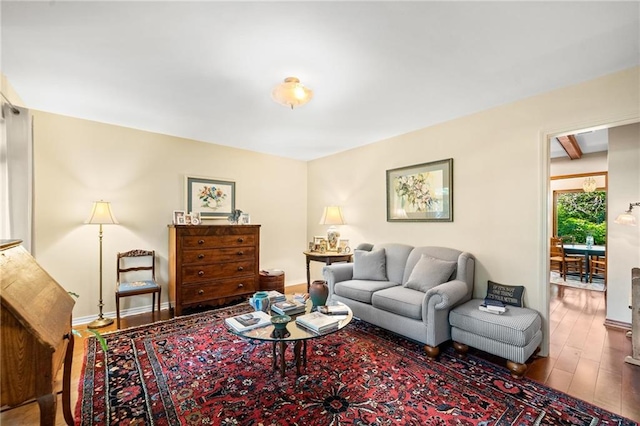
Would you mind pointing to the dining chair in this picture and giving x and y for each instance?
(136, 274)
(562, 263)
(598, 266)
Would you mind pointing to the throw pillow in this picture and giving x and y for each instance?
(370, 265)
(507, 294)
(430, 272)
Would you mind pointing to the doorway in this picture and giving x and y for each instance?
(580, 221)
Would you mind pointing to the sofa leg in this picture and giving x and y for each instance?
(461, 348)
(517, 370)
(432, 351)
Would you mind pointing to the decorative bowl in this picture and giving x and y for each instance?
(280, 321)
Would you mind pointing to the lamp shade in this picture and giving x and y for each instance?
(291, 93)
(332, 215)
(626, 218)
(101, 214)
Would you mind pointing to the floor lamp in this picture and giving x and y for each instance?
(101, 214)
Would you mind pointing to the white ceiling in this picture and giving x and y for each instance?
(205, 70)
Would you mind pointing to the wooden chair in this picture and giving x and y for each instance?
(598, 265)
(129, 263)
(562, 263)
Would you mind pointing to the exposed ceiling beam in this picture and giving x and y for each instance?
(571, 147)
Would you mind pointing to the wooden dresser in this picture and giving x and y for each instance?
(210, 265)
(35, 333)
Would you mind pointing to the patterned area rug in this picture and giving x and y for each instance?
(571, 281)
(192, 371)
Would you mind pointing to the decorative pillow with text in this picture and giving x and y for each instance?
(508, 294)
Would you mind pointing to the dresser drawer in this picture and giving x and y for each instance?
(230, 254)
(210, 241)
(198, 293)
(199, 273)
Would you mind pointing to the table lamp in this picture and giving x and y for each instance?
(332, 215)
(101, 214)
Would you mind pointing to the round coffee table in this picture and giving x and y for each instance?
(293, 334)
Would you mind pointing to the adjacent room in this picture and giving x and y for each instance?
(319, 213)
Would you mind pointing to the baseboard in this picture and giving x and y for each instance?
(617, 325)
(123, 313)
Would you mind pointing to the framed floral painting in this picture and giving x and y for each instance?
(423, 192)
(211, 198)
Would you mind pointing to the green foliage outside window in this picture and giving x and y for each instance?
(580, 214)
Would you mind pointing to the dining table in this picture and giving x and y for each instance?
(585, 250)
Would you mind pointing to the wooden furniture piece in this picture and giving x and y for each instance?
(272, 280)
(584, 252)
(210, 265)
(562, 263)
(35, 334)
(598, 266)
(132, 262)
(327, 258)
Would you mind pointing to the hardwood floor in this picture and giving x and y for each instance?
(586, 359)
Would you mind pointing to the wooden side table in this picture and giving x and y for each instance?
(327, 258)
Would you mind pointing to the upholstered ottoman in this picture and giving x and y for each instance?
(514, 335)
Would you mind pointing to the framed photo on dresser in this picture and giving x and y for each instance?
(210, 198)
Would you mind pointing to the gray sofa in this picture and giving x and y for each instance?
(386, 301)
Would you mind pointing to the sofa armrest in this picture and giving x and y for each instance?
(445, 296)
(335, 273)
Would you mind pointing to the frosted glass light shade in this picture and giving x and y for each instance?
(626, 218)
(589, 185)
(101, 214)
(291, 93)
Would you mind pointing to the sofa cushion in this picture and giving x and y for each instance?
(429, 272)
(399, 300)
(507, 294)
(397, 255)
(361, 290)
(370, 265)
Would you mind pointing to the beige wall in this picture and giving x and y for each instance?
(142, 175)
(500, 161)
(623, 242)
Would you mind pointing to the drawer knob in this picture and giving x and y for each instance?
(201, 273)
(240, 268)
(240, 285)
(201, 292)
(200, 241)
(241, 240)
(201, 256)
(240, 253)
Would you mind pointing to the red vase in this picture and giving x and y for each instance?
(319, 292)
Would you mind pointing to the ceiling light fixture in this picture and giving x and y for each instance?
(291, 93)
(589, 185)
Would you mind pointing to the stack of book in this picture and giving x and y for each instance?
(334, 310)
(318, 322)
(275, 296)
(301, 297)
(288, 307)
(249, 321)
(493, 306)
